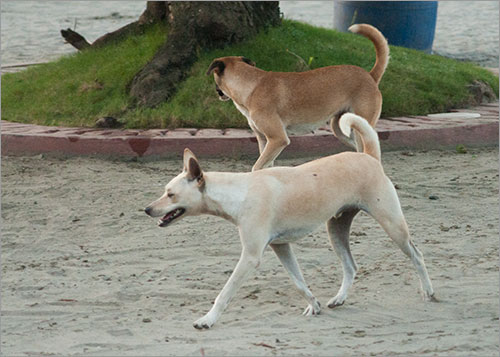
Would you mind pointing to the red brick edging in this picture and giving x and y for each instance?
(418, 132)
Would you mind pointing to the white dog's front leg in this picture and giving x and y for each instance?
(287, 258)
(245, 265)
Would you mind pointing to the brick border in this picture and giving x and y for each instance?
(419, 132)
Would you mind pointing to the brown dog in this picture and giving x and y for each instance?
(277, 102)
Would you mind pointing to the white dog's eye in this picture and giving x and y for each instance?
(170, 195)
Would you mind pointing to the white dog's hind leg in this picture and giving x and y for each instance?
(388, 213)
(245, 265)
(338, 231)
(418, 261)
(287, 258)
(398, 231)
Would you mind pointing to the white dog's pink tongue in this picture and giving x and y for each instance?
(172, 215)
(168, 215)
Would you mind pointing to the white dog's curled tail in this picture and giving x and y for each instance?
(371, 145)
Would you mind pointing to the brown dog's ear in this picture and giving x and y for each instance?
(248, 61)
(217, 67)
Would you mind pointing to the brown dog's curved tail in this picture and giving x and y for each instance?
(371, 145)
(381, 48)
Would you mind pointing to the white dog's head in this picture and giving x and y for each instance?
(183, 195)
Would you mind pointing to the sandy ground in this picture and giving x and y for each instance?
(86, 272)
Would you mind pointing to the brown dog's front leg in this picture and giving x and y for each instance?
(277, 140)
(261, 138)
(273, 148)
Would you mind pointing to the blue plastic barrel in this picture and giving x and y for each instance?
(404, 23)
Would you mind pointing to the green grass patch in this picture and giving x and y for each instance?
(78, 89)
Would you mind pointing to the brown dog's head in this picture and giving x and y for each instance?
(220, 66)
(183, 194)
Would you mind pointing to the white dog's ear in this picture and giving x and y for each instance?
(192, 167)
(194, 170)
(187, 155)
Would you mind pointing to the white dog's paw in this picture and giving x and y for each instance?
(205, 322)
(312, 309)
(430, 297)
(337, 300)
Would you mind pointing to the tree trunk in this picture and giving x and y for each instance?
(193, 26)
(156, 11)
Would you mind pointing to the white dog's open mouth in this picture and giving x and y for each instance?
(170, 216)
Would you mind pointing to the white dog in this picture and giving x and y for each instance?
(279, 205)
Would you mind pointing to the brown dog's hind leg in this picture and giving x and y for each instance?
(334, 124)
(369, 110)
